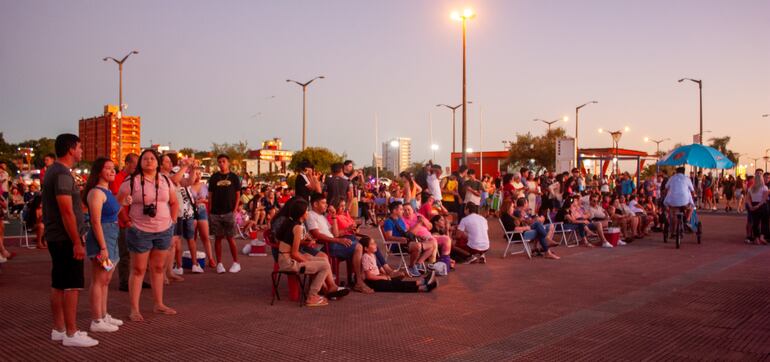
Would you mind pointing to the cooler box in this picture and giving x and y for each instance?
(187, 261)
(612, 235)
(258, 248)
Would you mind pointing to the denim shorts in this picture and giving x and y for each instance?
(110, 231)
(138, 241)
(202, 214)
(338, 250)
(185, 228)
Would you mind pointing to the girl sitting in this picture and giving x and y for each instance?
(377, 279)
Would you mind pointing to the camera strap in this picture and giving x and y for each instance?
(157, 186)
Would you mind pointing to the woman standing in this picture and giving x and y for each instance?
(200, 193)
(740, 191)
(533, 191)
(102, 241)
(411, 189)
(172, 273)
(152, 208)
(757, 198)
(728, 187)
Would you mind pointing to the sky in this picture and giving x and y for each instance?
(216, 71)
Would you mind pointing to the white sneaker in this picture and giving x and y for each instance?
(79, 339)
(621, 242)
(3, 259)
(606, 244)
(236, 267)
(102, 326)
(220, 268)
(197, 268)
(57, 336)
(177, 271)
(114, 321)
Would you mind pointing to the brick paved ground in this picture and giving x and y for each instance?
(645, 301)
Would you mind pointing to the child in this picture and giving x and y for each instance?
(377, 279)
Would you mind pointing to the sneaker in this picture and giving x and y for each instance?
(473, 259)
(412, 271)
(621, 243)
(79, 339)
(432, 286)
(220, 268)
(236, 267)
(114, 321)
(3, 259)
(102, 326)
(177, 271)
(430, 278)
(483, 259)
(606, 244)
(57, 336)
(197, 269)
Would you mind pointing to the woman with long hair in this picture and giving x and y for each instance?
(740, 189)
(152, 209)
(411, 189)
(102, 241)
(757, 207)
(200, 192)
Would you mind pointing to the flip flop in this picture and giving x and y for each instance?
(322, 302)
(363, 289)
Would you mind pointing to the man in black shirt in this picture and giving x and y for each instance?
(338, 187)
(306, 182)
(65, 228)
(225, 195)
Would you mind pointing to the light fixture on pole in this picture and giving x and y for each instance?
(304, 104)
(657, 150)
(434, 148)
(120, 101)
(616, 135)
(466, 15)
(549, 123)
(454, 126)
(700, 96)
(577, 124)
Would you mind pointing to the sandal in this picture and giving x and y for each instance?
(320, 302)
(363, 288)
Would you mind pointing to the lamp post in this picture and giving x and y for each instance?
(754, 164)
(766, 158)
(700, 95)
(616, 135)
(466, 15)
(549, 123)
(304, 104)
(454, 127)
(120, 100)
(577, 123)
(657, 150)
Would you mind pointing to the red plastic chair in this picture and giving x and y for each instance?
(296, 281)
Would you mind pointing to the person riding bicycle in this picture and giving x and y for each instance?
(679, 194)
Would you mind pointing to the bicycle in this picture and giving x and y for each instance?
(695, 223)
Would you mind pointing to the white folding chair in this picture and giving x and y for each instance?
(565, 234)
(394, 248)
(510, 236)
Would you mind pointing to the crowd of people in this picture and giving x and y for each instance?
(135, 220)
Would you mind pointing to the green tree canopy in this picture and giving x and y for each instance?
(541, 149)
(236, 151)
(321, 158)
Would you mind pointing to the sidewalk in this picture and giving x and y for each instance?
(644, 301)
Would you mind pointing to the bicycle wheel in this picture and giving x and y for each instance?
(699, 231)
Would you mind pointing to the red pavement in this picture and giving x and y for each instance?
(644, 301)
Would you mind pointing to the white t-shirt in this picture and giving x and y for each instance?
(369, 264)
(434, 187)
(317, 221)
(680, 190)
(476, 227)
(635, 207)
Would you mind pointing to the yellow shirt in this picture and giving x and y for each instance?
(451, 185)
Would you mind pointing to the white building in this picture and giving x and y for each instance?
(397, 154)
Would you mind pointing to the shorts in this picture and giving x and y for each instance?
(138, 241)
(202, 214)
(185, 228)
(66, 272)
(110, 231)
(309, 250)
(338, 250)
(222, 225)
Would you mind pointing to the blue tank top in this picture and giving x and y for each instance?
(110, 207)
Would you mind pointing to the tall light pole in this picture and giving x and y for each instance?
(466, 15)
(577, 124)
(120, 101)
(454, 126)
(549, 123)
(304, 105)
(616, 135)
(754, 164)
(700, 96)
(657, 150)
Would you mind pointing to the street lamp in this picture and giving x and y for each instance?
(577, 123)
(549, 123)
(434, 148)
(120, 100)
(454, 127)
(466, 15)
(304, 104)
(700, 93)
(657, 150)
(616, 135)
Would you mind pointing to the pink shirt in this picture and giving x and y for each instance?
(421, 230)
(162, 220)
(369, 264)
(343, 222)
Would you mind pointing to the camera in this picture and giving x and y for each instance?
(150, 210)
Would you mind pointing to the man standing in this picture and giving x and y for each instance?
(48, 160)
(64, 230)
(224, 191)
(307, 182)
(129, 165)
(473, 189)
(434, 184)
(338, 187)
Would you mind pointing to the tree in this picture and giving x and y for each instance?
(370, 171)
(321, 158)
(187, 151)
(720, 144)
(541, 149)
(236, 151)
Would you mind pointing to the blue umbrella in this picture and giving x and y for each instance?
(696, 155)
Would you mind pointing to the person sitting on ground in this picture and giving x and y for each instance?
(518, 219)
(473, 234)
(395, 229)
(380, 281)
(290, 236)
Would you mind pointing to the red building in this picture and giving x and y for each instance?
(99, 135)
(491, 162)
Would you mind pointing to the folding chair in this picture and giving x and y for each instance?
(275, 276)
(510, 236)
(394, 248)
(565, 232)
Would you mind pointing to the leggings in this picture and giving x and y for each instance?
(759, 222)
(402, 286)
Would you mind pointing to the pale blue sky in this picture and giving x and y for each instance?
(206, 67)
